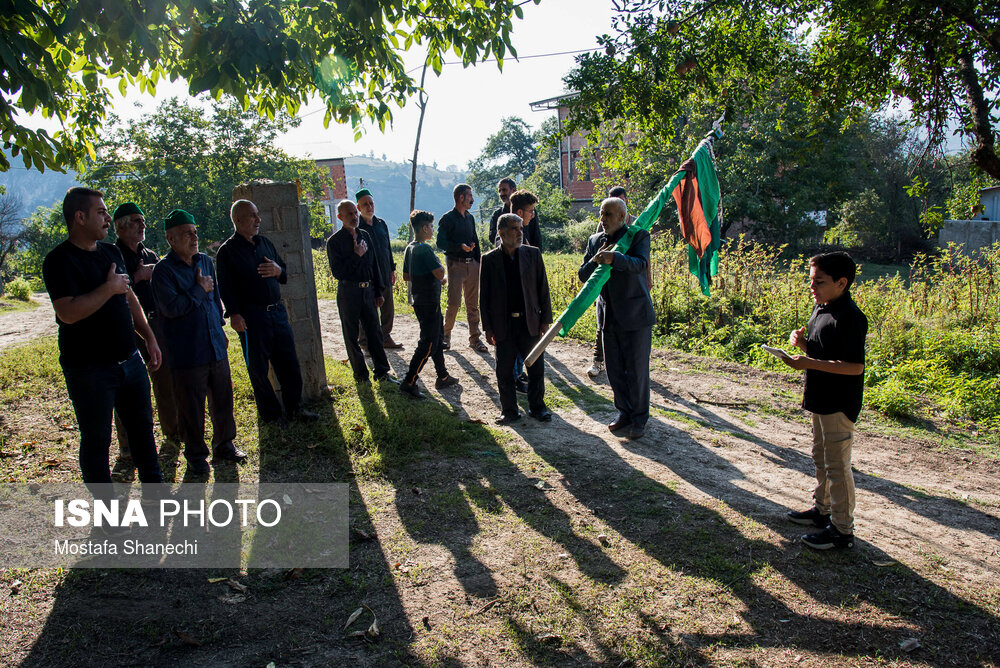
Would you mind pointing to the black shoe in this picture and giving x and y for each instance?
(199, 466)
(544, 415)
(411, 389)
(829, 539)
(228, 453)
(304, 416)
(523, 377)
(504, 418)
(521, 386)
(811, 517)
(637, 431)
(620, 423)
(446, 381)
(446, 344)
(386, 378)
(392, 345)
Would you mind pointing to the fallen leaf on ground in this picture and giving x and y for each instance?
(215, 580)
(362, 534)
(287, 499)
(51, 463)
(294, 574)
(15, 587)
(909, 644)
(540, 484)
(354, 616)
(235, 585)
(603, 538)
(373, 631)
(186, 639)
(232, 599)
(476, 421)
(358, 427)
(883, 564)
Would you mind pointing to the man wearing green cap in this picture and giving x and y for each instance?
(190, 312)
(130, 227)
(384, 262)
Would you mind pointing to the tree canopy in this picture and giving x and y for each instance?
(61, 58)
(183, 156)
(831, 55)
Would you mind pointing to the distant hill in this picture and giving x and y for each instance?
(33, 187)
(390, 186)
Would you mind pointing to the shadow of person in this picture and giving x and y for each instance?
(711, 541)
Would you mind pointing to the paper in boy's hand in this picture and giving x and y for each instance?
(777, 352)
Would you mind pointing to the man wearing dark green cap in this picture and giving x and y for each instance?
(190, 312)
(384, 262)
(130, 227)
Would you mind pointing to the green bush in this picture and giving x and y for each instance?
(18, 289)
(893, 399)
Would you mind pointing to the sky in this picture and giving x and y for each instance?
(465, 105)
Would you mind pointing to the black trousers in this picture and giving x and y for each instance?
(430, 343)
(96, 392)
(626, 357)
(357, 310)
(519, 342)
(193, 385)
(268, 339)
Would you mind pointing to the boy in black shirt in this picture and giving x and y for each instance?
(98, 317)
(425, 276)
(834, 343)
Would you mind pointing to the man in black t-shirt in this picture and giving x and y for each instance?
(98, 317)
(378, 230)
(834, 362)
(130, 227)
(425, 276)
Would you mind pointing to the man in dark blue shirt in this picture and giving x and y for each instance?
(191, 315)
(250, 272)
(386, 264)
(458, 238)
(98, 317)
(130, 227)
(359, 292)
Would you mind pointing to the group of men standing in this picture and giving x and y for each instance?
(506, 295)
(118, 305)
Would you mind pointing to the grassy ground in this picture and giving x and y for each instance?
(11, 305)
(473, 546)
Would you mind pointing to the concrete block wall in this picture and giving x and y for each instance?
(972, 235)
(285, 221)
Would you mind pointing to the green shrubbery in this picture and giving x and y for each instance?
(933, 342)
(18, 289)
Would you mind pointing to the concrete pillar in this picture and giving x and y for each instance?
(285, 221)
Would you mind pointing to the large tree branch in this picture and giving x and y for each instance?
(984, 153)
(968, 18)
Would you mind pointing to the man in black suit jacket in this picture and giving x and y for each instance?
(516, 310)
(624, 315)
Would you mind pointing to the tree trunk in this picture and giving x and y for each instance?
(984, 153)
(422, 103)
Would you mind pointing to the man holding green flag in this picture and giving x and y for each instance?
(624, 314)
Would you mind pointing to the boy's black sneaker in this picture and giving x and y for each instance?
(811, 517)
(829, 539)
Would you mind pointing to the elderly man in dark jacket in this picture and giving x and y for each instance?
(195, 344)
(624, 315)
(516, 310)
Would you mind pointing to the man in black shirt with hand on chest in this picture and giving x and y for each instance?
(98, 317)
(250, 271)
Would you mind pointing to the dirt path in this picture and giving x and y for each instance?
(21, 326)
(563, 544)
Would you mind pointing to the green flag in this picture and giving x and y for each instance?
(705, 163)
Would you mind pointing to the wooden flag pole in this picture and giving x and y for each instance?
(539, 348)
